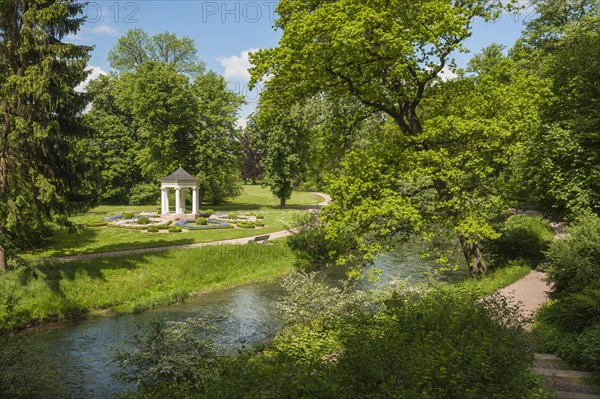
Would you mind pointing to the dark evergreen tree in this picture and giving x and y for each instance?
(41, 165)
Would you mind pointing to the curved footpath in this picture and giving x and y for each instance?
(243, 240)
(531, 292)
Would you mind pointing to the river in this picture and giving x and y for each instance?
(79, 353)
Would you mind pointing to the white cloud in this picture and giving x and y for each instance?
(447, 74)
(241, 122)
(104, 29)
(94, 74)
(236, 67)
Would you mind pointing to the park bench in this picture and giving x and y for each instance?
(261, 239)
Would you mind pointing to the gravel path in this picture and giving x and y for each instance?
(531, 292)
(243, 240)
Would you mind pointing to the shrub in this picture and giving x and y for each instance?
(309, 242)
(174, 229)
(128, 215)
(169, 353)
(526, 237)
(201, 221)
(152, 229)
(575, 312)
(210, 212)
(415, 343)
(246, 225)
(260, 224)
(260, 216)
(232, 216)
(575, 260)
(143, 220)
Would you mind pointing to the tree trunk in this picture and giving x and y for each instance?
(472, 254)
(282, 202)
(2, 259)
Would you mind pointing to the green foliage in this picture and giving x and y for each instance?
(152, 229)
(575, 312)
(558, 168)
(285, 152)
(419, 342)
(175, 229)
(435, 159)
(260, 224)
(136, 48)
(201, 221)
(144, 194)
(114, 145)
(246, 225)
(27, 372)
(573, 261)
(309, 242)
(526, 237)
(128, 215)
(169, 353)
(143, 220)
(231, 216)
(210, 212)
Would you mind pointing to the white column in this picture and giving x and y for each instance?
(182, 201)
(177, 201)
(195, 205)
(164, 201)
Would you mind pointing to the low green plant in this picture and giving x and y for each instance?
(231, 216)
(152, 229)
(97, 224)
(175, 229)
(201, 221)
(574, 261)
(143, 220)
(246, 225)
(575, 312)
(128, 215)
(260, 224)
(210, 212)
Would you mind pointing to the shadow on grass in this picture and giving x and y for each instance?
(53, 273)
(69, 244)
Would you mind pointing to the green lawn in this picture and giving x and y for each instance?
(254, 199)
(134, 283)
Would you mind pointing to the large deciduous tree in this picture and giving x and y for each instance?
(388, 56)
(136, 47)
(114, 143)
(40, 167)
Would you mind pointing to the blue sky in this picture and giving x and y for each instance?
(225, 31)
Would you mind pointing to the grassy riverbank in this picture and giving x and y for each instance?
(133, 283)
